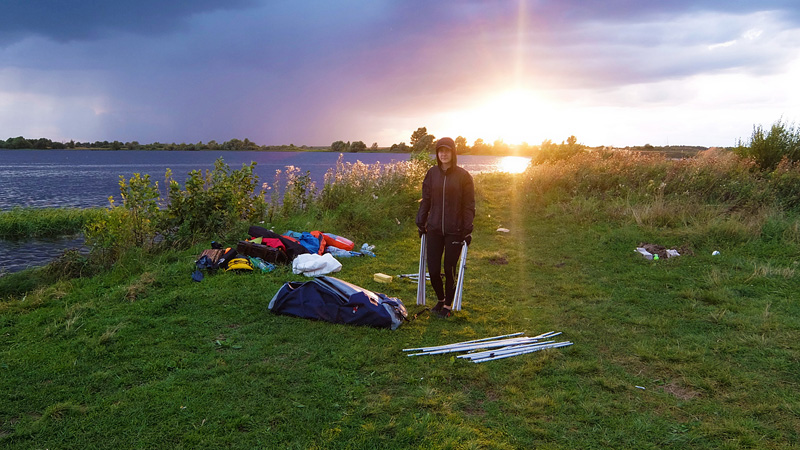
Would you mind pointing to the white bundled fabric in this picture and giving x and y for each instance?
(313, 265)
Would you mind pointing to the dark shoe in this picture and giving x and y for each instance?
(444, 313)
(438, 307)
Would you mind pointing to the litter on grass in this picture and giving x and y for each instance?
(382, 278)
(497, 347)
(413, 276)
(655, 252)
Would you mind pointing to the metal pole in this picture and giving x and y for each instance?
(479, 345)
(467, 342)
(508, 355)
(460, 283)
(421, 280)
(413, 276)
(549, 334)
(501, 351)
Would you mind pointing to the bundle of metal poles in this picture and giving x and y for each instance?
(422, 272)
(462, 265)
(423, 275)
(497, 347)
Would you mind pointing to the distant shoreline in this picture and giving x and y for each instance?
(671, 151)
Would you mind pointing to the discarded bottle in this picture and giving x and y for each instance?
(261, 264)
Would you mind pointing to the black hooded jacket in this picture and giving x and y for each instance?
(448, 200)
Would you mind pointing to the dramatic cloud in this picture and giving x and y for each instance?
(279, 72)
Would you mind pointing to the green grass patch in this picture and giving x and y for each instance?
(23, 223)
(140, 356)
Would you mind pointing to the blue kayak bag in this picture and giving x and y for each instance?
(333, 300)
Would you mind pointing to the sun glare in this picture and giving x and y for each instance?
(513, 164)
(513, 116)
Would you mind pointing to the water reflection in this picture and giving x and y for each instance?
(19, 255)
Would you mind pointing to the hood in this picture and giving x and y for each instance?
(449, 143)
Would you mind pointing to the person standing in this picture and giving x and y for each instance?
(445, 216)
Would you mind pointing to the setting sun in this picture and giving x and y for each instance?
(513, 116)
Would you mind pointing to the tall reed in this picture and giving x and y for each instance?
(716, 193)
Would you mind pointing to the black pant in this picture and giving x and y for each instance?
(450, 246)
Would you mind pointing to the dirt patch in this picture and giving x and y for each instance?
(498, 260)
(680, 392)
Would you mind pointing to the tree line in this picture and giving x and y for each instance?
(420, 142)
(21, 142)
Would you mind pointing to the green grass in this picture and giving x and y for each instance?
(19, 223)
(142, 357)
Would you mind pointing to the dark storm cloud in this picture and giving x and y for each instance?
(312, 72)
(68, 20)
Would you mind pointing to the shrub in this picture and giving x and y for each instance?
(212, 202)
(111, 234)
(785, 183)
(768, 148)
(549, 151)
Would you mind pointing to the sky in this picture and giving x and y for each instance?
(615, 73)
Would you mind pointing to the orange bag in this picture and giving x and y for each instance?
(338, 241)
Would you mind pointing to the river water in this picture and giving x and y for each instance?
(86, 178)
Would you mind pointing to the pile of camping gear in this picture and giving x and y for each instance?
(312, 254)
(331, 299)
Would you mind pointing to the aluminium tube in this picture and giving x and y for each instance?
(500, 351)
(460, 283)
(423, 254)
(521, 352)
(465, 342)
(508, 355)
(464, 348)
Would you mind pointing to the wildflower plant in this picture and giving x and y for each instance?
(362, 196)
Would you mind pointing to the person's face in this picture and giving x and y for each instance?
(445, 155)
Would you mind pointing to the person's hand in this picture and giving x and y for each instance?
(421, 231)
(468, 239)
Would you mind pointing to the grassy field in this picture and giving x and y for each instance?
(697, 352)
